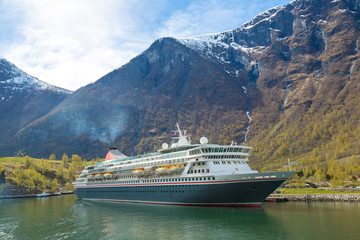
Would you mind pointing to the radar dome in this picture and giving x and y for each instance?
(203, 140)
(164, 145)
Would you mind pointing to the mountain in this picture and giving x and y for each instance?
(286, 82)
(23, 99)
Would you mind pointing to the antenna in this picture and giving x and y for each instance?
(180, 133)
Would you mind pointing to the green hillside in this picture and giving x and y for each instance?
(26, 175)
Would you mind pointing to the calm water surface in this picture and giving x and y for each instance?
(66, 217)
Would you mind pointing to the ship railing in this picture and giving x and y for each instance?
(136, 157)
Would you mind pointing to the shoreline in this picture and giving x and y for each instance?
(339, 197)
(33, 196)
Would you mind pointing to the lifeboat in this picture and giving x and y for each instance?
(99, 176)
(91, 177)
(163, 169)
(149, 169)
(108, 175)
(138, 171)
(177, 167)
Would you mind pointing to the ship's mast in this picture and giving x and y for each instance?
(180, 136)
(180, 132)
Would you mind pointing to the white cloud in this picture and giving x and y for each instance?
(72, 43)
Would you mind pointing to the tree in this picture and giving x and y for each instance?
(71, 173)
(69, 187)
(54, 185)
(28, 162)
(76, 158)
(76, 161)
(52, 157)
(65, 159)
(2, 175)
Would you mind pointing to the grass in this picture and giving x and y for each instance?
(13, 161)
(311, 191)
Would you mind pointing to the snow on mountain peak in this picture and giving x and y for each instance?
(215, 45)
(12, 78)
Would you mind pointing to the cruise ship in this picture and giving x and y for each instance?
(180, 174)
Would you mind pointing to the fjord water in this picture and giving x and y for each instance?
(67, 217)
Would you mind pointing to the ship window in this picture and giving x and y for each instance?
(213, 178)
(207, 170)
(196, 179)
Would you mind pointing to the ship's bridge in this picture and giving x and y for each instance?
(208, 148)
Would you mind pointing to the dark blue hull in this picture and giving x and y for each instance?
(214, 193)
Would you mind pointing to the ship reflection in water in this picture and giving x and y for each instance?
(67, 217)
(139, 221)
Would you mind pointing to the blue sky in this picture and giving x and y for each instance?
(72, 43)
